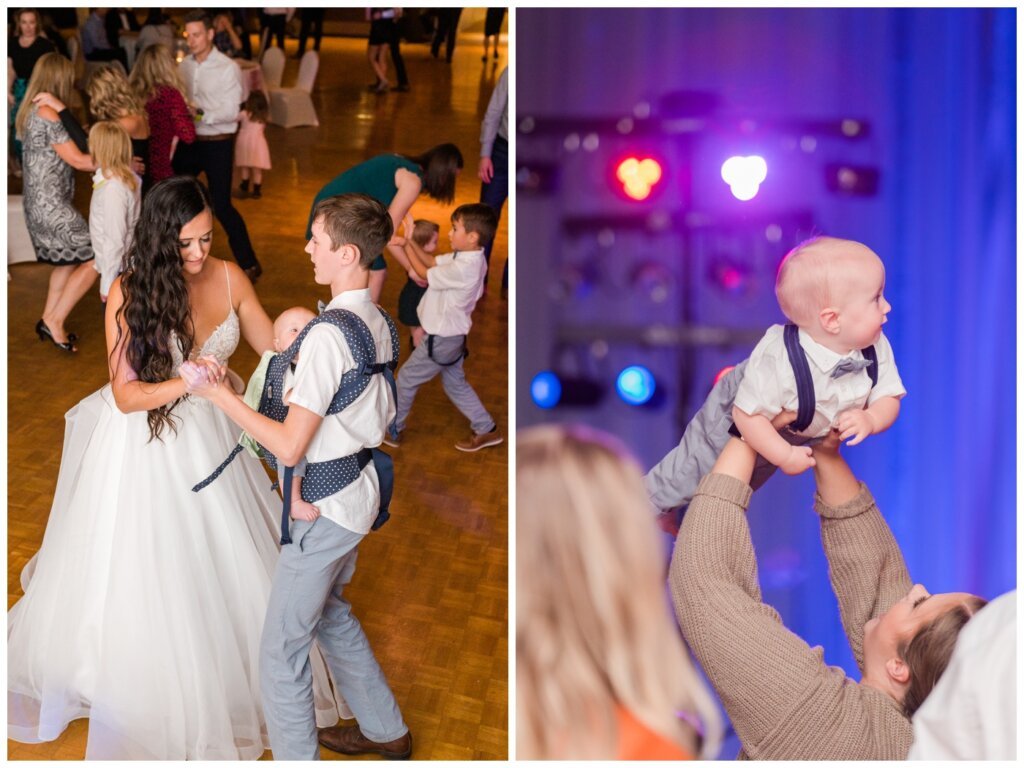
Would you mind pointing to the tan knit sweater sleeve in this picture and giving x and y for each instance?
(865, 563)
(783, 700)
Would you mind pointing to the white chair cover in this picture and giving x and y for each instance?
(308, 68)
(292, 107)
(19, 243)
(273, 67)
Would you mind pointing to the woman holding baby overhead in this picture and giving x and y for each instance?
(144, 607)
(784, 701)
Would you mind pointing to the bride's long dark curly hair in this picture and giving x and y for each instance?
(156, 307)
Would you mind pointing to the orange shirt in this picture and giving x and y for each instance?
(638, 742)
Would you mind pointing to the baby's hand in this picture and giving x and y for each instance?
(856, 423)
(303, 510)
(798, 460)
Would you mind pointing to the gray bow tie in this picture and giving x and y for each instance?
(849, 365)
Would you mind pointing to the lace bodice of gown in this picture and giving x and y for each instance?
(222, 342)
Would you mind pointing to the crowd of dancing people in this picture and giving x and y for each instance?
(179, 631)
(602, 671)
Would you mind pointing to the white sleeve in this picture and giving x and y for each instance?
(109, 214)
(450, 275)
(889, 382)
(768, 382)
(323, 357)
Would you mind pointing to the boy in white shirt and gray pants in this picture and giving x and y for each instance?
(455, 282)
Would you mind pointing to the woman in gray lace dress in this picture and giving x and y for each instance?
(60, 235)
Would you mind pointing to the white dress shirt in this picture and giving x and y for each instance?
(113, 211)
(454, 285)
(215, 86)
(971, 714)
(769, 386)
(323, 357)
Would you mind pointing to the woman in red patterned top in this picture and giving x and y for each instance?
(156, 79)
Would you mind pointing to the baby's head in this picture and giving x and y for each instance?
(288, 325)
(425, 234)
(832, 289)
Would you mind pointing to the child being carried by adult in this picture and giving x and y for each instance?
(831, 364)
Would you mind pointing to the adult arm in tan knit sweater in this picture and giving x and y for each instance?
(865, 563)
(782, 698)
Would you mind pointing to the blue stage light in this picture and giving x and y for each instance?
(546, 389)
(635, 385)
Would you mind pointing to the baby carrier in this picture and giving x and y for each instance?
(325, 478)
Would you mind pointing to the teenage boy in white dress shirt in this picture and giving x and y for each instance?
(312, 571)
(455, 282)
(213, 87)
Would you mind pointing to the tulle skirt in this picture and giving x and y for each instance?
(144, 607)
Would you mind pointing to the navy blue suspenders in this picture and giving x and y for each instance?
(804, 382)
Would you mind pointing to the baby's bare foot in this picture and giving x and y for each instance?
(303, 510)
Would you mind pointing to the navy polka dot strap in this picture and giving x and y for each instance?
(326, 478)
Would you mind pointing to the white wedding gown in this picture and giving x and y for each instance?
(144, 607)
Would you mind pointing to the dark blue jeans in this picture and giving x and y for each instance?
(215, 159)
(495, 192)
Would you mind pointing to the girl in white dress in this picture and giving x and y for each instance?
(116, 200)
(144, 607)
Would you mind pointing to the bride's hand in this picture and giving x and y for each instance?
(203, 376)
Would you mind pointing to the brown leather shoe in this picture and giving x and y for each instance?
(476, 442)
(349, 740)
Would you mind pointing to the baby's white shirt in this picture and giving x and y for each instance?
(769, 386)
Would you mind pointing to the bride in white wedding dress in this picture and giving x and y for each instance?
(144, 607)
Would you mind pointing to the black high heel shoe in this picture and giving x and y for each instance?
(45, 334)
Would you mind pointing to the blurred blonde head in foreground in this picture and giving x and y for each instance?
(594, 637)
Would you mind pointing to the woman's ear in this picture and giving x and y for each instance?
(829, 319)
(898, 670)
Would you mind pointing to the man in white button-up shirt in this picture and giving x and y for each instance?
(312, 571)
(213, 87)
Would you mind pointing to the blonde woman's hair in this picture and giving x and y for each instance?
(812, 276)
(52, 74)
(110, 95)
(594, 632)
(111, 149)
(155, 67)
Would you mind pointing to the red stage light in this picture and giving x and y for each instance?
(638, 176)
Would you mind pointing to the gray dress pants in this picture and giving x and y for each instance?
(306, 601)
(420, 368)
(673, 480)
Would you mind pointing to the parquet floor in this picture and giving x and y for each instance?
(431, 588)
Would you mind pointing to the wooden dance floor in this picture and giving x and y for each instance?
(431, 589)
